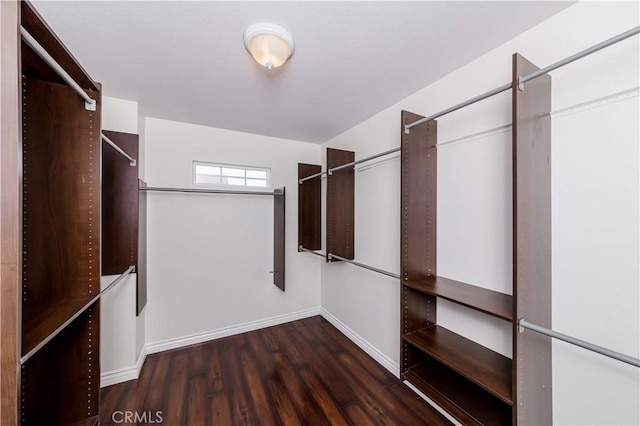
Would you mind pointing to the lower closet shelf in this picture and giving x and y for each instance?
(40, 320)
(467, 402)
(60, 383)
(489, 370)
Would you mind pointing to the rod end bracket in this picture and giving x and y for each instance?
(90, 106)
(133, 163)
(407, 129)
(520, 84)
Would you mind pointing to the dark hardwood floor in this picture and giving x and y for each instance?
(300, 373)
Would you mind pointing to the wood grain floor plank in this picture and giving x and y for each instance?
(391, 404)
(283, 407)
(214, 370)
(218, 411)
(268, 339)
(196, 360)
(288, 348)
(346, 345)
(143, 384)
(176, 388)
(196, 400)
(241, 410)
(303, 402)
(357, 416)
(154, 400)
(324, 400)
(299, 328)
(261, 403)
(321, 362)
(261, 355)
(300, 373)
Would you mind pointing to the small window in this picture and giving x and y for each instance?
(229, 175)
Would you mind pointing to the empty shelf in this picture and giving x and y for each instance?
(491, 302)
(465, 401)
(38, 324)
(484, 367)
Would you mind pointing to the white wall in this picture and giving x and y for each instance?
(596, 267)
(209, 256)
(121, 332)
(119, 115)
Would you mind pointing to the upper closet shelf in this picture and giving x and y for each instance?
(490, 302)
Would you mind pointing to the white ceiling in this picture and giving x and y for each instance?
(185, 61)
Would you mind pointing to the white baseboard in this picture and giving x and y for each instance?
(371, 350)
(131, 373)
(193, 339)
(141, 358)
(114, 377)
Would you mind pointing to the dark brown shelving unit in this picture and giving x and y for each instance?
(531, 107)
(46, 318)
(61, 251)
(490, 302)
(469, 380)
(468, 403)
(473, 383)
(309, 208)
(487, 369)
(340, 205)
(279, 203)
(61, 382)
(141, 265)
(119, 204)
(123, 213)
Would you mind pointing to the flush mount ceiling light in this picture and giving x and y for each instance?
(269, 44)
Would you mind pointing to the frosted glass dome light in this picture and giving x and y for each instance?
(269, 44)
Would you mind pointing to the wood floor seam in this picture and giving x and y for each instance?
(304, 372)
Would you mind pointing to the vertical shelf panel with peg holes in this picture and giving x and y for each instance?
(340, 205)
(470, 381)
(61, 161)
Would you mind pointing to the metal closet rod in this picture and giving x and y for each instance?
(57, 331)
(581, 343)
(209, 191)
(362, 265)
(306, 250)
(497, 90)
(132, 161)
(522, 80)
(351, 164)
(90, 104)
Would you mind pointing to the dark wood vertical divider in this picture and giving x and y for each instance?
(278, 237)
(10, 217)
(309, 208)
(532, 243)
(61, 201)
(141, 265)
(119, 204)
(340, 204)
(418, 193)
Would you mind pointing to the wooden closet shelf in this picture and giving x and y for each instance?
(482, 366)
(490, 302)
(466, 402)
(40, 322)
